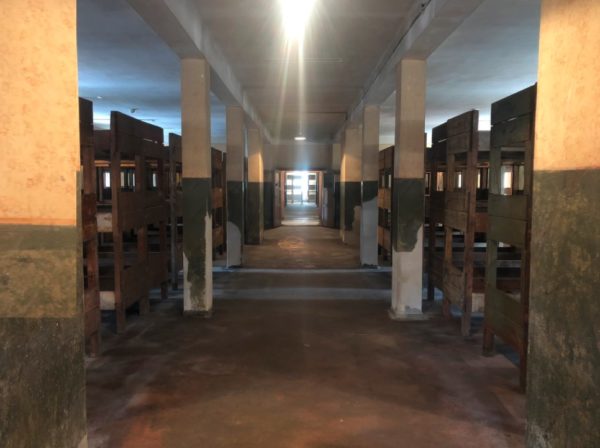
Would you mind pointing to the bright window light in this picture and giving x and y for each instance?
(296, 14)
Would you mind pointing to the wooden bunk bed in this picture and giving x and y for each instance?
(89, 229)
(509, 230)
(175, 229)
(219, 183)
(132, 214)
(462, 276)
(434, 209)
(457, 215)
(384, 204)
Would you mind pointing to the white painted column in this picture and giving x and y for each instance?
(235, 185)
(197, 187)
(351, 186)
(254, 212)
(370, 186)
(408, 193)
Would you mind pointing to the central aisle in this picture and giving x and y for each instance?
(276, 373)
(301, 247)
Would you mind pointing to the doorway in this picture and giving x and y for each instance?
(301, 198)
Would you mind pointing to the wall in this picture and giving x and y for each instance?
(564, 341)
(299, 156)
(42, 377)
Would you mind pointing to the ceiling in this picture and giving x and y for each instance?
(344, 43)
(492, 54)
(122, 61)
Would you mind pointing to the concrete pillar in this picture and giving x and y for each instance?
(254, 211)
(563, 394)
(269, 187)
(235, 185)
(197, 186)
(408, 196)
(42, 377)
(350, 184)
(370, 186)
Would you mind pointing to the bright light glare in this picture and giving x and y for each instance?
(295, 17)
(300, 138)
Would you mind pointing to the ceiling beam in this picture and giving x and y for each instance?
(179, 24)
(431, 24)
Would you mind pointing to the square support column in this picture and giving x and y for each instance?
(370, 186)
(408, 194)
(563, 378)
(42, 376)
(235, 185)
(351, 178)
(197, 187)
(254, 212)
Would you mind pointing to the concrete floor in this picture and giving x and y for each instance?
(301, 247)
(299, 373)
(301, 214)
(299, 358)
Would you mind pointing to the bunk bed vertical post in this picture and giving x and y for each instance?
(117, 232)
(163, 188)
(173, 212)
(448, 231)
(142, 230)
(471, 198)
(90, 228)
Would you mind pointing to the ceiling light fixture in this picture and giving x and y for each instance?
(296, 14)
(300, 138)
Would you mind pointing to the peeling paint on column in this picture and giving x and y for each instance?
(564, 337)
(197, 245)
(408, 208)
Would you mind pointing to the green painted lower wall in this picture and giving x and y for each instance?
(563, 390)
(197, 207)
(369, 190)
(235, 204)
(408, 209)
(269, 200)
(254, 213)
(42, 377)
(42, 382)
(352, 194)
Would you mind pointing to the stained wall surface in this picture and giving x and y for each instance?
(564, 340)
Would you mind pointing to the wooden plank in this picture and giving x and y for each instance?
(511, 207)
(518, 104)
(439, 133)
(461, 124)
(481, 222)
(454, 284)
(456, 220)
(457, 200)
(133, 286)
(508, 231)
(457, 144)
(512, 133)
